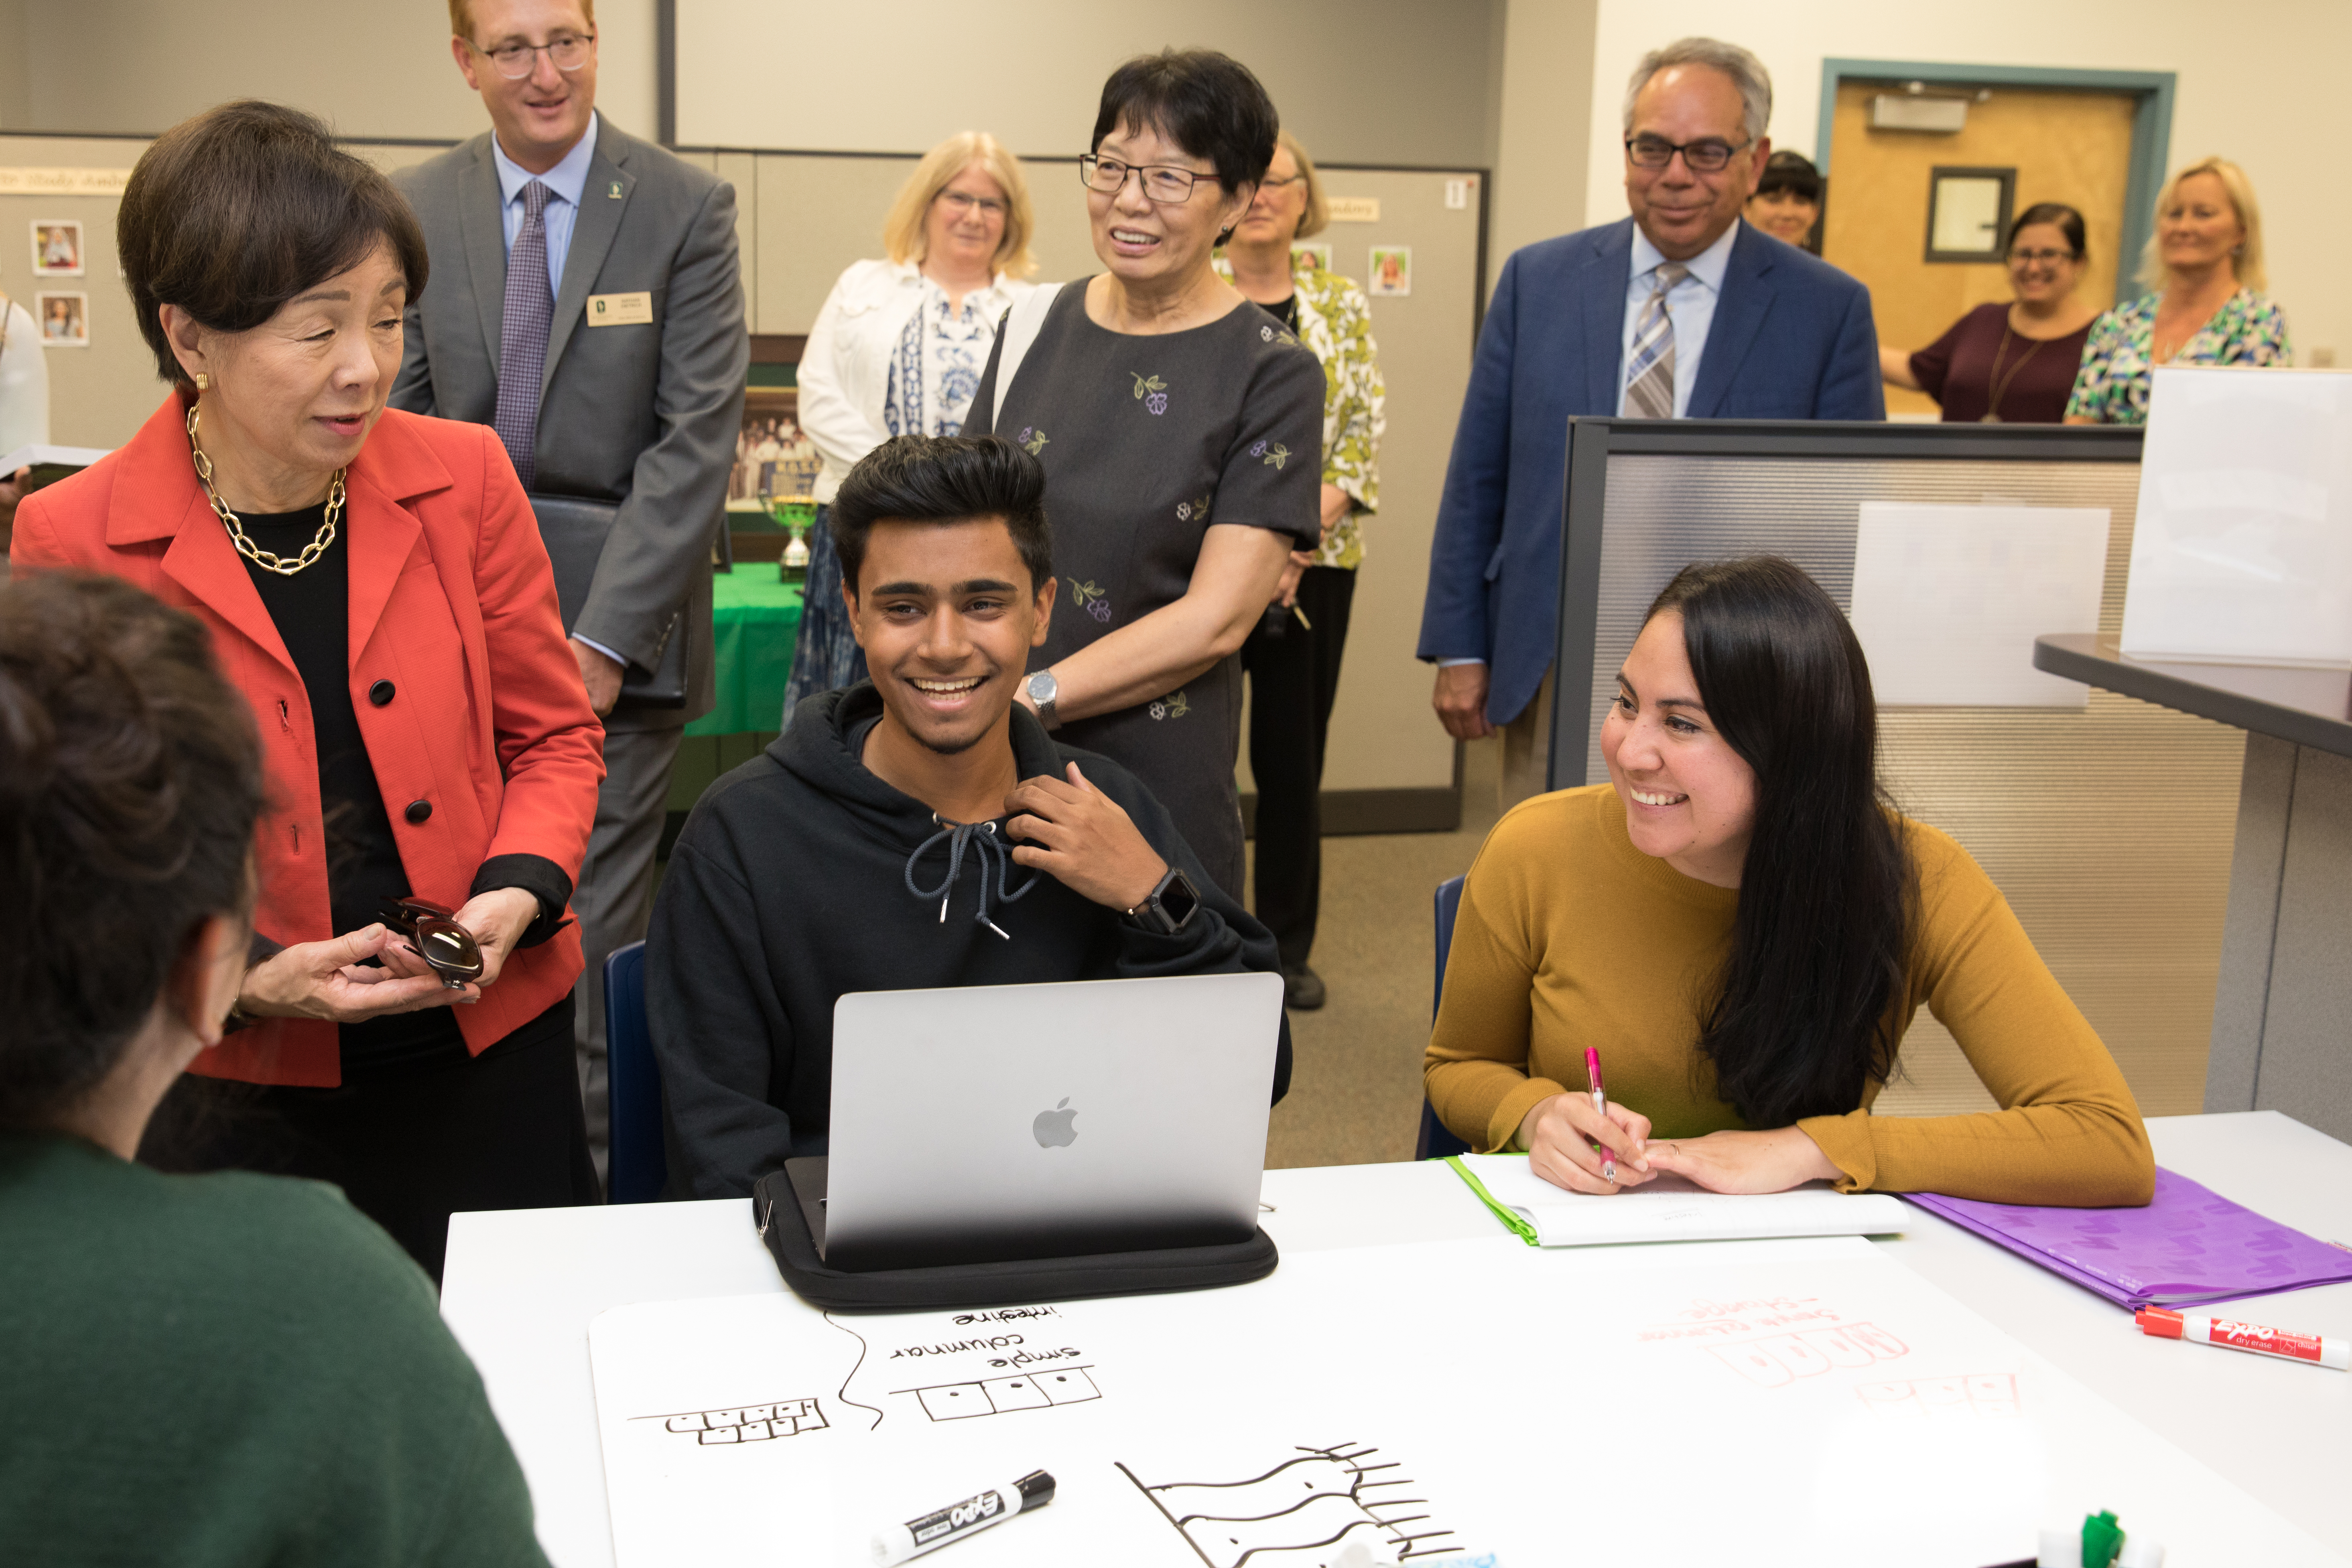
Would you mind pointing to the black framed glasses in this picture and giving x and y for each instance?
(1707, 155)
(1164, 185)
(2034, 257)
(447, 948)
(565, 51)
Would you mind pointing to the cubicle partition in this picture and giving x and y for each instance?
(2107, 827)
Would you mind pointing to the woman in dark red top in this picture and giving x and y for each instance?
(2012, 364)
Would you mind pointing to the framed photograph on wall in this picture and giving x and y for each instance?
(773, 460)
(64, 319)
(56, 247)
(1968, 214)
(1391, 272)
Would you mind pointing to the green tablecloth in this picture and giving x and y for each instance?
(755, 615)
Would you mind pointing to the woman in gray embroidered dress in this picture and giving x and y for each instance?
(1181, 433)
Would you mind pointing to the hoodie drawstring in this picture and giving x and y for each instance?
(981, 837)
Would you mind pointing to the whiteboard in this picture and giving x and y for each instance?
(1781, 1402)
(1948, 599)
(2243, 553)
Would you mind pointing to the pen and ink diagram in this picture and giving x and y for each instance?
(999, 1395)
(1313, 1510)
(1776, 1360)
(1974, 1396)
(744, 1423)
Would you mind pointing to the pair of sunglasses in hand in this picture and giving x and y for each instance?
(447, 948)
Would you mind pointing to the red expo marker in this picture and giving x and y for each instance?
(2321, 1349)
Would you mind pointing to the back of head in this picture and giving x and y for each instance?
(130, 783)
(1208, 103)
(235, 211)
(1746, 71)
(2247, 263)
(1796, 1026)
(943, 480)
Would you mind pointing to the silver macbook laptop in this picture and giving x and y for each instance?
(990, 1123)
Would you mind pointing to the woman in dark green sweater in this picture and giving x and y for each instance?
(199, 1369)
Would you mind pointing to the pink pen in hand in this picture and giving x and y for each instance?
(1601, 1104)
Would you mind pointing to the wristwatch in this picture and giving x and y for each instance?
(1169, 905)
(1043, 690)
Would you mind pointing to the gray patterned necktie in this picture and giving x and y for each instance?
(1650, 367)
(523, 336)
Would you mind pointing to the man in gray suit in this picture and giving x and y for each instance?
(586, 303)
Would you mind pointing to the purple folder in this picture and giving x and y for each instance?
(2190, 1246)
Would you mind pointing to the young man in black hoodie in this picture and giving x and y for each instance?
(921, 829)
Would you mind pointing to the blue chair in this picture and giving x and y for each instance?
(639, 1166)
(1435, 1143)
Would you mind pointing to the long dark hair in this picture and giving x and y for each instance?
(1800, 1018)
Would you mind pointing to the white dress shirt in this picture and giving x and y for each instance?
(564, 184)
(1689, 303)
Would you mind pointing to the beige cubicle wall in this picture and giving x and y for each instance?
(804, 216)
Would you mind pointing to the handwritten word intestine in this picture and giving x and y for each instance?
(1004, 1315)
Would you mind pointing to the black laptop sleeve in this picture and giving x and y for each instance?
(776, 1210)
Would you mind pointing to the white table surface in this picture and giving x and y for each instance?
(520, 1286)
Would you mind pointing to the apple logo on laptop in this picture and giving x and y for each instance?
(1052, 1126)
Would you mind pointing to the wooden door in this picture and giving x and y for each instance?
(2071, 147)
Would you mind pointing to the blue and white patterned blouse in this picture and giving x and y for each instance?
(936, 367)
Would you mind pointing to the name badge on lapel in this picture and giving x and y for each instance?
(621, 310)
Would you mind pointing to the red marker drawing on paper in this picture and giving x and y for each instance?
(2321, 1349)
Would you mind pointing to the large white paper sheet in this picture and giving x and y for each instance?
(1948, 599)
(1760, 1403)
(2242, 550)
(1669, 1208)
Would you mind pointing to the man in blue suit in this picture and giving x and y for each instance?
(1679, 311)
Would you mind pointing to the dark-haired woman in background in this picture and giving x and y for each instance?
(2013, 364)
(298, 1400)
(375, 587)
(1788, 200)
(1745, 929)
(1182, 433)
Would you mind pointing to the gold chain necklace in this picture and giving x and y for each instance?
(246, 547)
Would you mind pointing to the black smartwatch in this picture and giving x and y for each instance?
(1169, 906)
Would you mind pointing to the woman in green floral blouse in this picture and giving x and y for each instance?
(2205, 265)
(1292, 657)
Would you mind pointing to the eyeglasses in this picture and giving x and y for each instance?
(1707, 155)
(1164, 185)
(2036, 258)
(566, 51)
(963, 203)
(1270, 183)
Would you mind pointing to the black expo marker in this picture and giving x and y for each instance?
(956, 1521)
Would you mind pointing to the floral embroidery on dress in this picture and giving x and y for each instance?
(1334, 321)
(1090, 599)
(2119, 355)
(1152, 391)
(1274, 452)
(1030, 440)
(1173, 706)
(1196, 510)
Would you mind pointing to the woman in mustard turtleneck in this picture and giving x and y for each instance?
(1745, 928)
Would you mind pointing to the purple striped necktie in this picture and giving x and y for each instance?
(523, 336)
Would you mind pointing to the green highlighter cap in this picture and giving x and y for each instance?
(2103, 1539)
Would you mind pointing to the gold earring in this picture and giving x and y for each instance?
(204, 381)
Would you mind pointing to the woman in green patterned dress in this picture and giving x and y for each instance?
(1292, 657)
(2205, 267)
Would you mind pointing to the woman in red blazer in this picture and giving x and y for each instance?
(375, 585)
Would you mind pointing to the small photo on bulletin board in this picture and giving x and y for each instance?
(1968, 214)
(1391, 270)
(64, 318)
(56, 247)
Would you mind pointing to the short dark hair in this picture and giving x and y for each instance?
(130, 783)
(1802, 1017)
(2068, 221)
(1207, 103)
(1793, 173)
(943, 480)
(233, 213)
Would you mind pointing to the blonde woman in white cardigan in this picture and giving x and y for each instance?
(898, 350)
